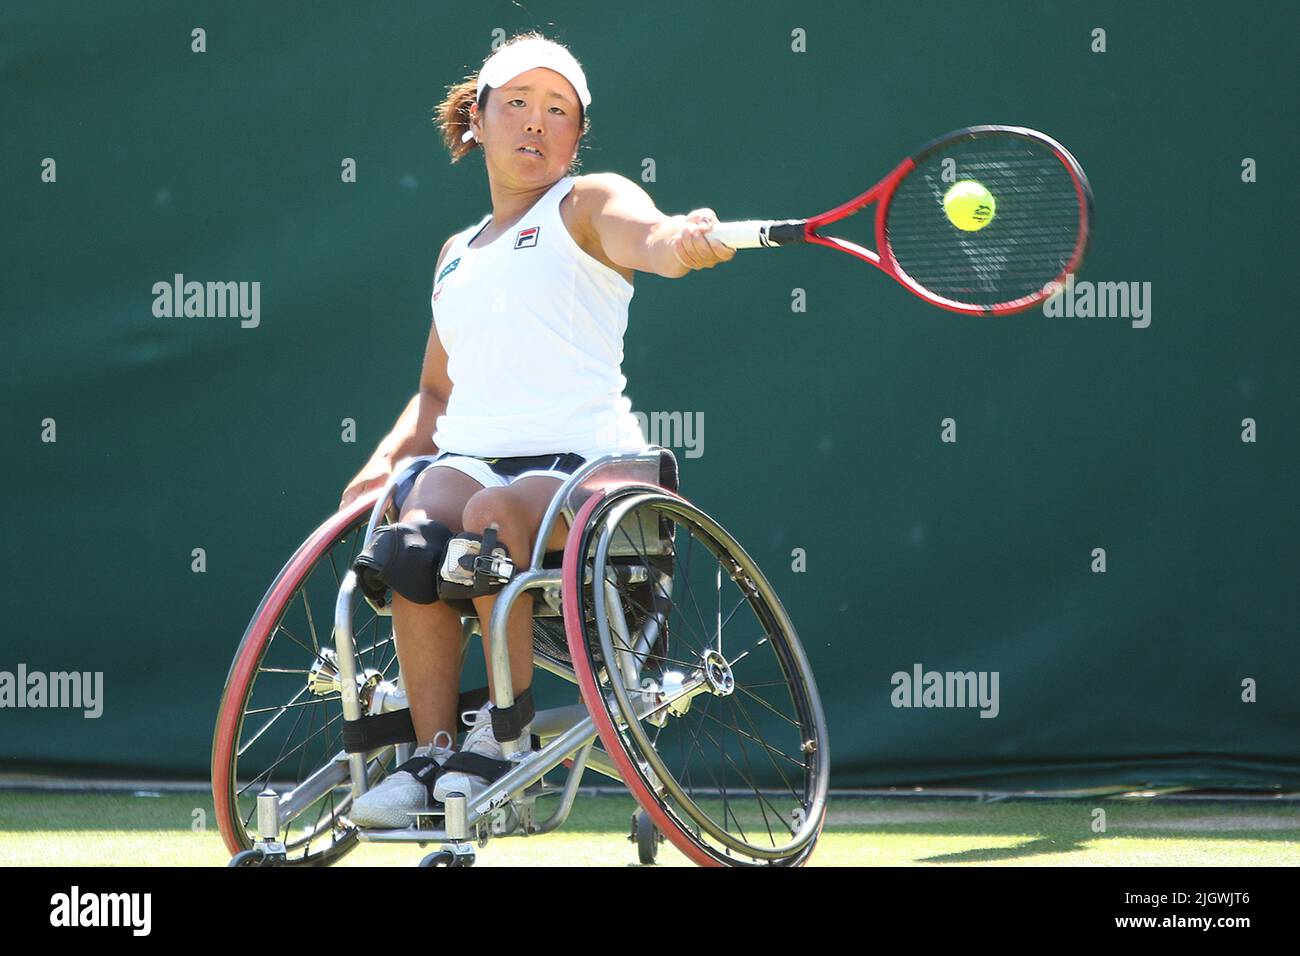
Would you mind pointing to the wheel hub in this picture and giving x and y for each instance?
(323, 679)
(718, 674)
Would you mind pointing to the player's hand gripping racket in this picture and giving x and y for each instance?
(982, 221)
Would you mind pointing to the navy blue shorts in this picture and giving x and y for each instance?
(494, 472)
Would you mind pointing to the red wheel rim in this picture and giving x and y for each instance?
(230, 712)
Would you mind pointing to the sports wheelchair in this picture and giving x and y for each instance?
(694, 692)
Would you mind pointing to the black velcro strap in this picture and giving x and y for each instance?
(476, 765)
(378, 730)
(509, 722)
(395, 727)
(424, 769)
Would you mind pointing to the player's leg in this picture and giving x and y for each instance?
(516, 512)
(429, 639)
(429, 646)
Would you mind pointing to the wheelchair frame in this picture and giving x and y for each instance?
(567, 732)
(508, 806)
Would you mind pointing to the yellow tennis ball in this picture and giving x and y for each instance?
(969, 206)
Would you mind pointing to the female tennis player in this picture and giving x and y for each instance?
(522, 377)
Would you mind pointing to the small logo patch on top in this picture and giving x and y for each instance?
(527, 237)
(448, 268)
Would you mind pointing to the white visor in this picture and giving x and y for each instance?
(508, 62)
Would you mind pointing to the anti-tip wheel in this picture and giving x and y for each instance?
(647, 837)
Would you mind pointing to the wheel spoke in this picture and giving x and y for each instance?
(264, 780)
(266, 775)
(720, 787)
(790, 720)
(311, 622)
(743, 602)
(638, 606)
(757, 792)
(280, 628)
(664, 595)
(696, 604)
(267, 726)
(768, 750)
(753, 784)
(696, 746)
(284, 707)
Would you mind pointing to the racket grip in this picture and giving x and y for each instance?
(758, 233)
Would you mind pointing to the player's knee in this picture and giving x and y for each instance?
(494, 507)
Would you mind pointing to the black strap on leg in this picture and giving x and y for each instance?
(378, 730)
(395, 727)
(509, 722)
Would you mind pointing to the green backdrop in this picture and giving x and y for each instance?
(822, 427)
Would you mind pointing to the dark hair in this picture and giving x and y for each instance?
(453, 112)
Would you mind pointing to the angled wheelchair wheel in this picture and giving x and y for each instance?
(280, 721)
(717, 730)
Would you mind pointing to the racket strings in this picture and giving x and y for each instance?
(1029, 242)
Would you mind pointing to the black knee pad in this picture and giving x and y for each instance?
(474, 565)
(405, 557)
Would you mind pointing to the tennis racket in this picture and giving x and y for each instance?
(986, 220)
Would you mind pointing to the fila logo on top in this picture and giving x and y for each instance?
(527, 237)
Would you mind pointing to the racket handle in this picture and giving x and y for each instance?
(758, 233)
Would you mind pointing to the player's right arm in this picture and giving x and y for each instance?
(413, 432)
(633, 233)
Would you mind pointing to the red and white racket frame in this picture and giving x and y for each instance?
(757, 233)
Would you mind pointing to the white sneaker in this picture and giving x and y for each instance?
(480, 740)
(390, 804)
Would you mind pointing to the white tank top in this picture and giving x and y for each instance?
(533, 329)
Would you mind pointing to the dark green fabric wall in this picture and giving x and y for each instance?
(822, 428)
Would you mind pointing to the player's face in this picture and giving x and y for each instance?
(537, 109)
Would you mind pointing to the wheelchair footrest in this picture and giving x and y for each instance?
(425, 819)
(411, 834)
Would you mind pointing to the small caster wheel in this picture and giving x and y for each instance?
(253, 857)
(449, 856)
(646, 837)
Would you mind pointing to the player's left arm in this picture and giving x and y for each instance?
(636, 235)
